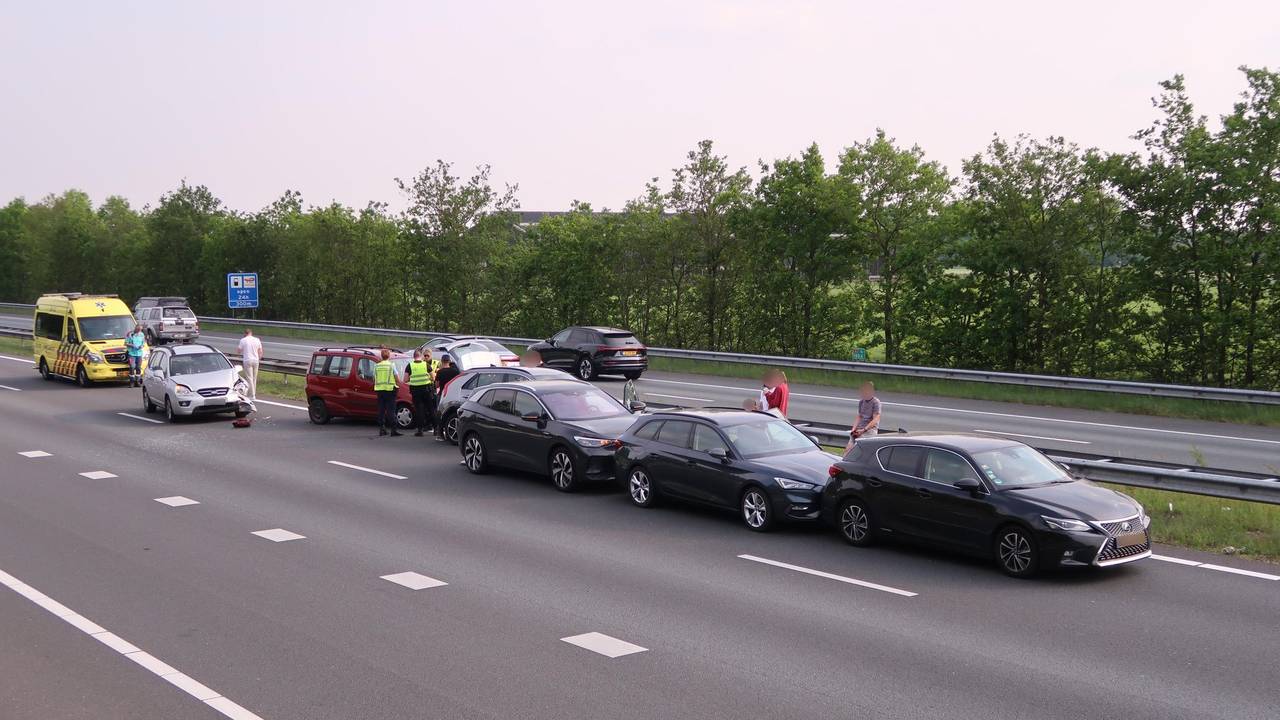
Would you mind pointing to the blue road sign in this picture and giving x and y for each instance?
(242, 290)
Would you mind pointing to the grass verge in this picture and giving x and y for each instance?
(1230, 527)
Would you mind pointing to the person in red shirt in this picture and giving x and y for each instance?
(776, 393)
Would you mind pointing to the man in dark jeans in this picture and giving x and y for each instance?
(418, 375)
(385, 385)
(446, 373)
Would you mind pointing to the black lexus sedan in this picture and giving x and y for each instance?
(751, 462)
(564, 428)
(986, 496)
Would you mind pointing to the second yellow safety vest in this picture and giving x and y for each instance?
(419, 373)
(384, 376)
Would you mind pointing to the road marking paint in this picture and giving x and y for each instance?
(830, 576)
(29, 361)
(610, 647)
(679, 397)
(177, 501)
(368, 470)
(1238, 571)
(1036, 437)
(152, 663)
(991, 413)
(297, 355)
(139, 417)
(280, 404)
(35, 454)
(278, 535)
(414, 581)
(1175, 561)
(98, 475)
(7, 387)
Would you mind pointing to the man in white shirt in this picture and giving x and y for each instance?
(250, 355)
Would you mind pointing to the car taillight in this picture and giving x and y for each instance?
(833, 471)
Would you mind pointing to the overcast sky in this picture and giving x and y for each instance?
(571, 100)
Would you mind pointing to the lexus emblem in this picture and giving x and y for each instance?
(1125, 526)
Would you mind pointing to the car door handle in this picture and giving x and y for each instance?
(874, 483)
(924, 493)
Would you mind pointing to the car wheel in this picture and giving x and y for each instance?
(82, 377)
(1016, 553)
(586, 370)
(640, 488)
(147, 406)
(404, 416)
(631, 375)
(563, 474)
(474, 455)
(451, 428)
(855, 523)
(150, 338)
(169, 414)
(44, 370)
(756, 512)
(317, 412)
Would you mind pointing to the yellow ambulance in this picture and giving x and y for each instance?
(81, 337)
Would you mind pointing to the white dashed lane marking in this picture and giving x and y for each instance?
(28, 361)
(278, 535)
(139, 417)
(830, 576)
(679, 397)
(7, 387)
(177, 501)
(1033, 437)
(368, 470)
(155, 665)
(35, 454)
(1219, 568)
(98, 475)
(279, 404)
(610, 647)
(414, 581)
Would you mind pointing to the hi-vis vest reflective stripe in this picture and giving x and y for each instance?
(419, 373)
(384, 376)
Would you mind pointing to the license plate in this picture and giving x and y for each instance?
(630, 353)
(122, 373)
(1130, 539)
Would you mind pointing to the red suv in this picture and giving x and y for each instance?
(340, 384)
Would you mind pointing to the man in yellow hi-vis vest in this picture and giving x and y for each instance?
(418, 375)
(385, 385)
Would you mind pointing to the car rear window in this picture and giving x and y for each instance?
(317, 364)
(178, 312)
(620, 339)
(649, 430)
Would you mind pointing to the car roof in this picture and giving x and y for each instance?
(717, 415)
(537, 373)
(543, 384)
(606, 329)
(192, 349)
(963, 442)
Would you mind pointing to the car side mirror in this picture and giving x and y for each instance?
(637, 406)
(720, 454)
(1065, 466)
(969, 484)
(815, 440)
(238, 368)
(531, 417)
(550, 341)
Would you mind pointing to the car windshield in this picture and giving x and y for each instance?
(474, 357)
(767, 437)
(196, 364)
(585, 403)
(106, 327)
(1018, 466)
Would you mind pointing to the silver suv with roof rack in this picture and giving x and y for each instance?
(166, 319)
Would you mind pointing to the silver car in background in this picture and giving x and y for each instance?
(187, 380)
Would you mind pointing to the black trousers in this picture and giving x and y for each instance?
(387, 409)
(424, 405)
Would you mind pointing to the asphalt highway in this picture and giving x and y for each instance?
(114, 604)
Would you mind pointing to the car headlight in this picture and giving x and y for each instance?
(96, 357)
(1143, 517)
(789, 484)
(182, 390)
(593, 442)
(241, 386)
(1066, 524)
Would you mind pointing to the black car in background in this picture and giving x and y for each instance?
(590, 351)
(566, 429)
(469, 382)
(985, 496)
(752, 462)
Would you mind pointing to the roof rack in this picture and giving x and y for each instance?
(368, 349)
(78, 295)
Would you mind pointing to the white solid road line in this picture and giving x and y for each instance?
(157, 667)
(1219, 568)
(98, 475)
(990, 413)
(139, 417)
(829, 576)
(679, 397)
(34, 454)
(610, 647)
(414, 581)
(279, 404)
(1034, 437)
(6, 387)
(368, 470)
(279, 535)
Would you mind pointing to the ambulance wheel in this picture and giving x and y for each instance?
(82, 377)
(44, 370)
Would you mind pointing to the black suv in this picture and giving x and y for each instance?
(457, 390)
(590, 351)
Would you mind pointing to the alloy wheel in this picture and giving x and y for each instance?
(640, 488)
(562, 470)
(584, 369)
(451, 429)
(1015, 553)
(473, 454)
(147, 406)
(854, 523)
(168, 411)
(44, 370)
(82, 377)
(404, 417)
(755, 509)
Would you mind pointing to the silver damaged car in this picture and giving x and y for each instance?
(188, 380)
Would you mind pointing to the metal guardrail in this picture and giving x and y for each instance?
(1260, 397)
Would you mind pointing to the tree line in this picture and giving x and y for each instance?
(1038, 256)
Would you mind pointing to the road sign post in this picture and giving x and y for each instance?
(242, 290)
